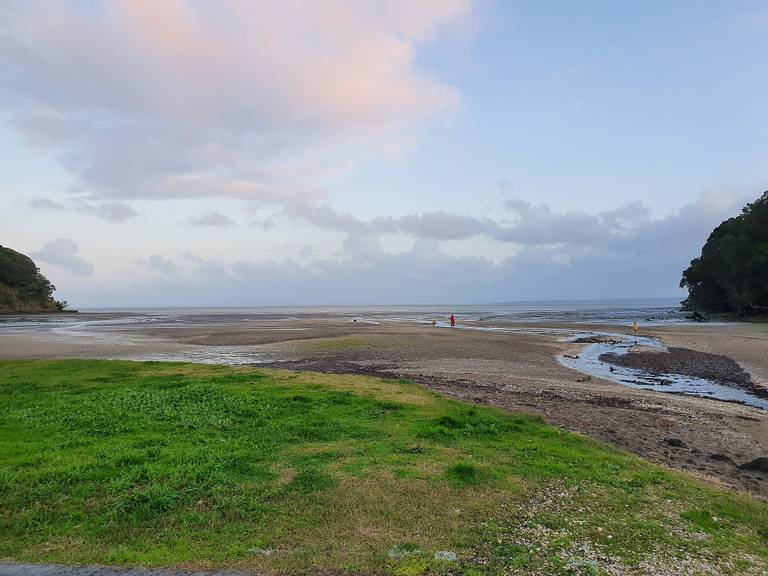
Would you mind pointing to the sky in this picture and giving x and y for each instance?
(247, 152)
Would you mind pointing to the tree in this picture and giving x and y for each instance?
(19, 271)
(731, 275)
(22, 285)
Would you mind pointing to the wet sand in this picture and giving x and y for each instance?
(515, 371)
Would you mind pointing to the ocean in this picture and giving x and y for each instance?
(616, 312)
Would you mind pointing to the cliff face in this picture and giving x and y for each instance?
(12, 300)
(23, 288)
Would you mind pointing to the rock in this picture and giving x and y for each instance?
(583, 378)
(571, 356)
(674, 442)
(721, 458)
(402, 551)
(591, 565)
(445, 555)
(595, 339)
(759, 464)
(698, 317)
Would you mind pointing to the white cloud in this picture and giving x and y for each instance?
(62, 252)
(212, 218)
(644, 258)
(46, 204)
(160, 264)
(111, 211)
(139, 98)
(628, 229)
(266, 224)
(445, 226)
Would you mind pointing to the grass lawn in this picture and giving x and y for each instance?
(163, 464)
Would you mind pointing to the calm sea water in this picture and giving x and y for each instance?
(616, 312)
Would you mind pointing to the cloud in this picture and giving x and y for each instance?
(213, 218)
(139, 98)
(326, 217)
(159, 264)
(62, 252)
(46, 204)
(445, 226)
(629, 229)
(422, 274)
(266, 224)
(642, 257)
(112, 211)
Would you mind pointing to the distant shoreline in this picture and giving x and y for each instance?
(39, 312)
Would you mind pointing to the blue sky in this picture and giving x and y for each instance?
(592, 104)
(203, 153)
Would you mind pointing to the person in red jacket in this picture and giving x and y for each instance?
(453, 320)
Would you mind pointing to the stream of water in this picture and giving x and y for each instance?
(588, 362)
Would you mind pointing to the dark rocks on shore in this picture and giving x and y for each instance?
(758, 464)
(596, 340)
(674, 442)
(698, 317)
(722, 458)
(685, 362)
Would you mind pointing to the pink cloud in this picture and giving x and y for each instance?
(134, 93)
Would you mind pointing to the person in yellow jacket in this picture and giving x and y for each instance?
(635, 327)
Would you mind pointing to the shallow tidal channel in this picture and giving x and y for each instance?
(588, 362)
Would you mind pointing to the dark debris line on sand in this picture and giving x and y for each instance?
(685, 362)
(14, 569)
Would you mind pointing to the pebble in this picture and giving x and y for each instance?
(675, 442)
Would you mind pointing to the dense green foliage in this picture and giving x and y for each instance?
(166, 463)
(22, 286)
(19, 271)
(731, 275)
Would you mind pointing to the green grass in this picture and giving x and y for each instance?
(175, 464)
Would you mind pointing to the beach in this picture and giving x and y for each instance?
(516, 365)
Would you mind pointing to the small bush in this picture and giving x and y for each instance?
(464, 474)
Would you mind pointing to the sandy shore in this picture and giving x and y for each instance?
(515, 371)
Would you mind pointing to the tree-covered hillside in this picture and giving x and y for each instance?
(23, 288)
(731, 275)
